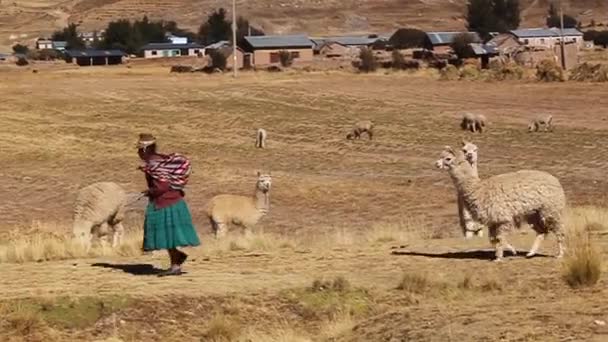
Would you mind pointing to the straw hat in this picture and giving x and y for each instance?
(145, 140)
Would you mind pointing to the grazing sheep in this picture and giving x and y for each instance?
(473, 122)
(244, 211)
(98, 211)
(260, 138)
(364, 126)
(546, 121)
(504, 201)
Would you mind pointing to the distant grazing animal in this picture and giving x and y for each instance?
(244, 211)
(364, 126)
(545, 121)
(98, 211)
(260, 138)
(473, 122)
(504, 201)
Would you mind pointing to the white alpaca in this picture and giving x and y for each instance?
(244, 211)
(545, 121)
(504, 201)
(260, 138)
(98, 211)
(469, 226)
(360, 127)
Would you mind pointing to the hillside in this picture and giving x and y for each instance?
(25, 20)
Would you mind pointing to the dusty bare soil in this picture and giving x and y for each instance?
(63, 129)
(33, 17)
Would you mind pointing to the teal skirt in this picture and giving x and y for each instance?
(169, 227)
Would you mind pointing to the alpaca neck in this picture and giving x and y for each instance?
(262, 201)
(467, 183)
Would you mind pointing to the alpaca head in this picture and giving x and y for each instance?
(447, 159)
(531, 126)
(264, 182)
(470, 151)
(451, 160)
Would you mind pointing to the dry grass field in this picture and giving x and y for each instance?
(362, 241)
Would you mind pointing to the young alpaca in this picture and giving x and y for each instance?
(504, 201)
(260, 138)
(545, 121)
(244, 211)
(361, 127)
(99, 210)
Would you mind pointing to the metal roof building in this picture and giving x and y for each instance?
(89, 57)
(447, 38)
(171, 46)
(543, 32)
(277, 42)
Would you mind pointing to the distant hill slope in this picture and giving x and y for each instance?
(24, 20)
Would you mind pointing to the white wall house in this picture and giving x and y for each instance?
(548, 37)
(159, 50)
(177, 40)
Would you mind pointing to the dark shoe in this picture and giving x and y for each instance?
(171, 272)
(182, 258)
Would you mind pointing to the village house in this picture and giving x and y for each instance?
(353, 44)
(44, 44)
(224, 47)
(331, 49)
(176, 40)
(547, 37)
(504, 42)
(266, 50)
(484, 52)
(440, 42)
(89, 57)
(159, 50)
(89, 37)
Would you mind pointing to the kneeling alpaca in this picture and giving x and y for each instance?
(244, 211)
(504, 201)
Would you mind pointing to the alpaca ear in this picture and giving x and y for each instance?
(258, 173)
(463, 142)
(450, 149)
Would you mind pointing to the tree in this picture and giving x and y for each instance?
(485, 16)
(285, 58)
(216, 28)
(407, 38)
(131, 37)
(69, 35)
(553, 19)
(397, 59)
(369, 62)
(601, 38)
(20, 49)
(242, 30)
(460, 45)
(218, 59)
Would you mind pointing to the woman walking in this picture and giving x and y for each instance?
(168, 224)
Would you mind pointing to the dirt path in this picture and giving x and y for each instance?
(372, 267)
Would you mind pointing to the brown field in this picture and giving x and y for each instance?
(365, 212)
(25, 20)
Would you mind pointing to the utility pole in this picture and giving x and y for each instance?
(234, 59)
(561, 30)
